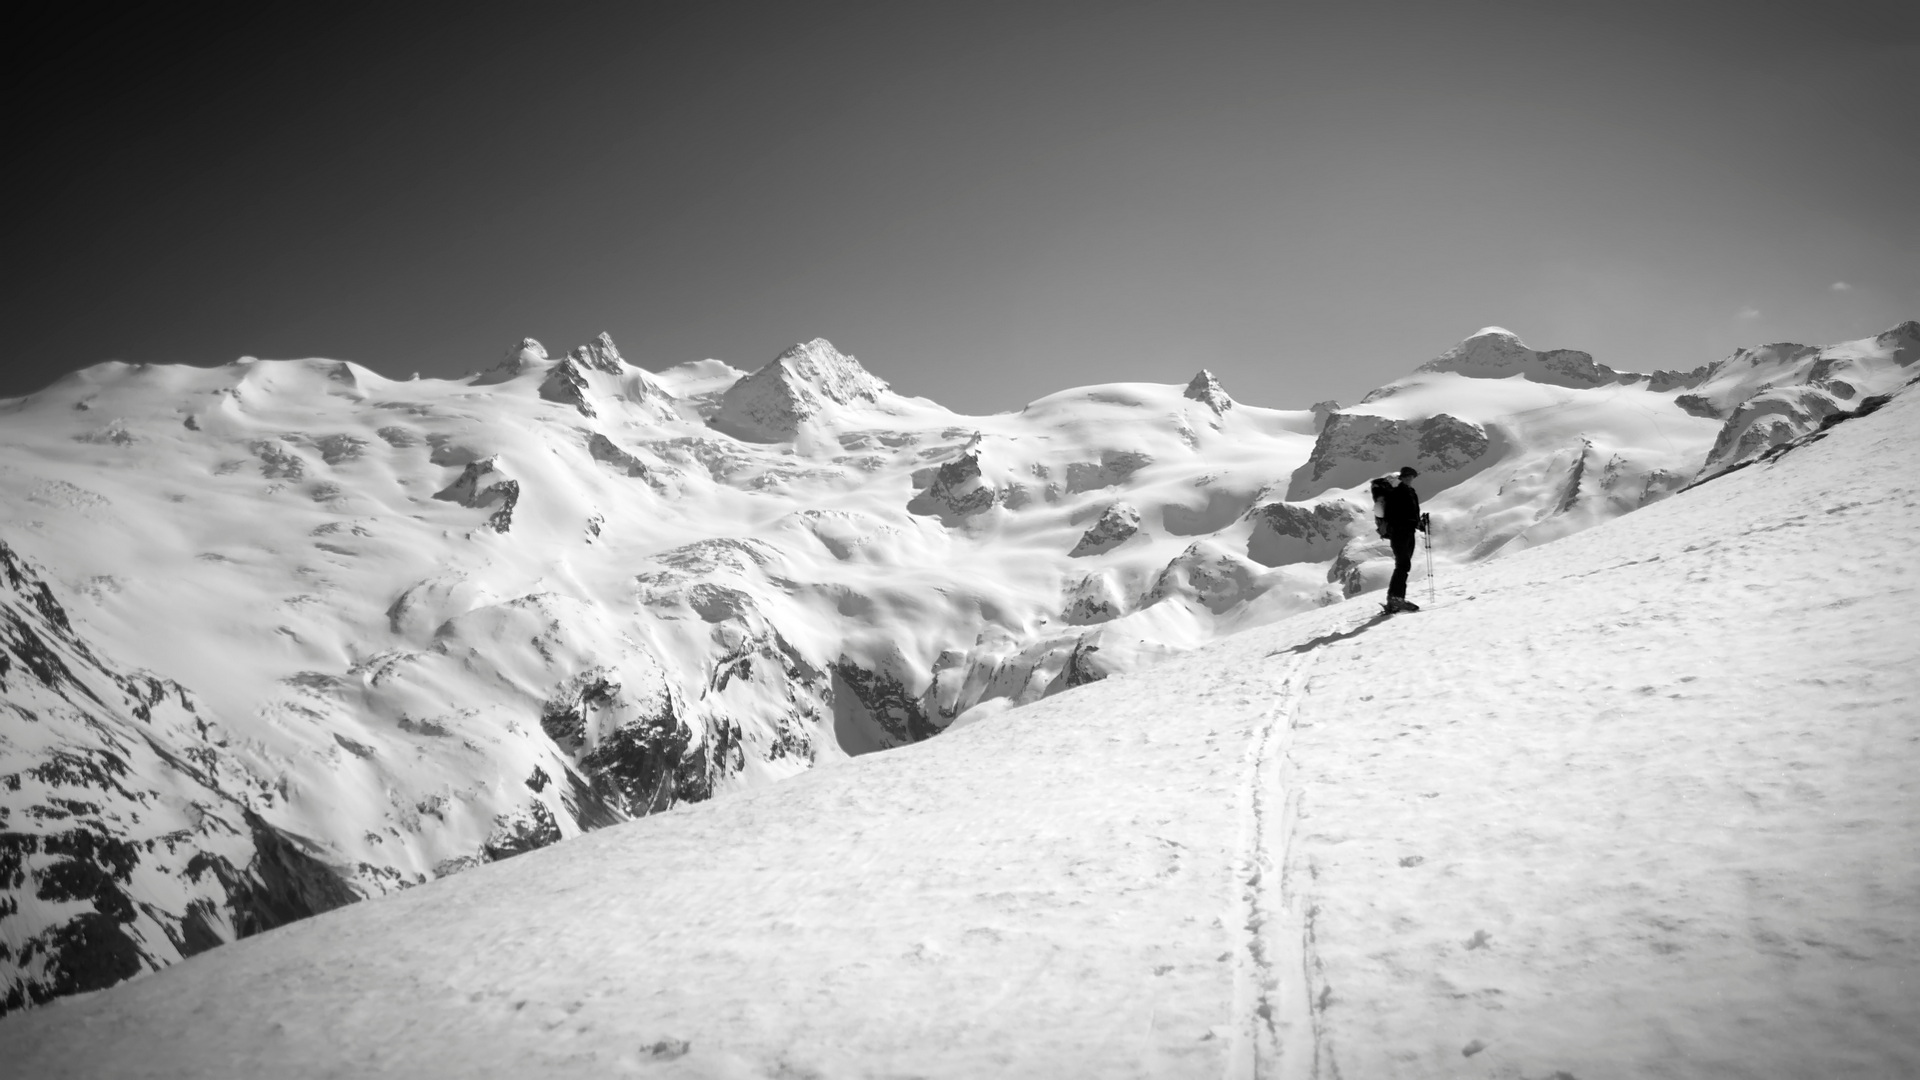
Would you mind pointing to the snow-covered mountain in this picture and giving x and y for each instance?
(1635, 803)
(286, 633)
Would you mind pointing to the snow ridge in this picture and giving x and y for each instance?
(457, 620)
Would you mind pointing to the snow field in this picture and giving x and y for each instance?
(1637, 804)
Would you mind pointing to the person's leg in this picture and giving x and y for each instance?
(1402, 563)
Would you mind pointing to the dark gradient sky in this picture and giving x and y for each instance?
(986, 202)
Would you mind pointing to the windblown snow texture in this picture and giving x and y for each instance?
(1634, 803)
(393, 630)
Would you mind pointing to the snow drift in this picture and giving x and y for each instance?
(1637, 802)
(417, 626)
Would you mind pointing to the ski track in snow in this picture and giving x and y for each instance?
(1271, 1017)
(1636, 803)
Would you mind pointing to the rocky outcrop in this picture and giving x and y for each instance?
(604, 450)
(1286, 533)
(1115, 467)
(1209, 574)
(526, 356)
(129, 837)
(1354, 447)
(1116, 526)
(772, 404)
(481, 486)
(1774, 394)
(1095, 598)
(1206, 390)
(624, 729)
(1497, 353)
(958, 489)
(599, 355)
(879, 702)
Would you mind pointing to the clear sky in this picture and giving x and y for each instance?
(985, 202)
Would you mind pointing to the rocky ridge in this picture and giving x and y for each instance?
(463, 619)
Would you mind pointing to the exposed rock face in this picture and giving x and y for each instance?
(1206, 390)
(1774, 394)
(604, 450)
(1208, 573)
(878, 700)
(599, 355)
(1496, 353)
(1354, 446)
(567, 384)
(1114, 467)
(527, 355)
(481, 486)
(958, 489)
(1321, 411)
(1285, 533)
(1095, 598)
(128, 838)
(773, 403)
(1115, 527)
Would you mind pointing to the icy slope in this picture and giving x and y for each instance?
(446, 622)
(1635, 803)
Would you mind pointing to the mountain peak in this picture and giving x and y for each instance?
(805, 380)
(1494, 352)
(1206, 389)
(837, 376)
(600, 354)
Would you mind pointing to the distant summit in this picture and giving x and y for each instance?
(1498, 353)
(1206, 390)
(801, 383)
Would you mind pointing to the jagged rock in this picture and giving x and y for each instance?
(1081, 668)
(1285, 533)
(1353, 447)
(1768, 419)
(1662, 381)
(521, 831)
(1116, 525)
(566, 383)
(1496, 353)
(599, 355)
(524, 357)
(473, 489)
(603, 450)
(1774, 394)
(958, 489)
(880, 703)
(1096, 598)
(1321, 411)
(277, 461)
(1114, 467)
(773, 403)
(1695, 405)
(126, 839)
(1206, 390)
(1208, 573)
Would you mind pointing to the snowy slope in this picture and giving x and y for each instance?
(1635, 803)
(440, 623)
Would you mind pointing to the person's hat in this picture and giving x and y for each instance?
(1409, 472)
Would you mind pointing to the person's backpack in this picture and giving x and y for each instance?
(1380, 486)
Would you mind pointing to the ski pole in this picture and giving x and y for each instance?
(1426, 522)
